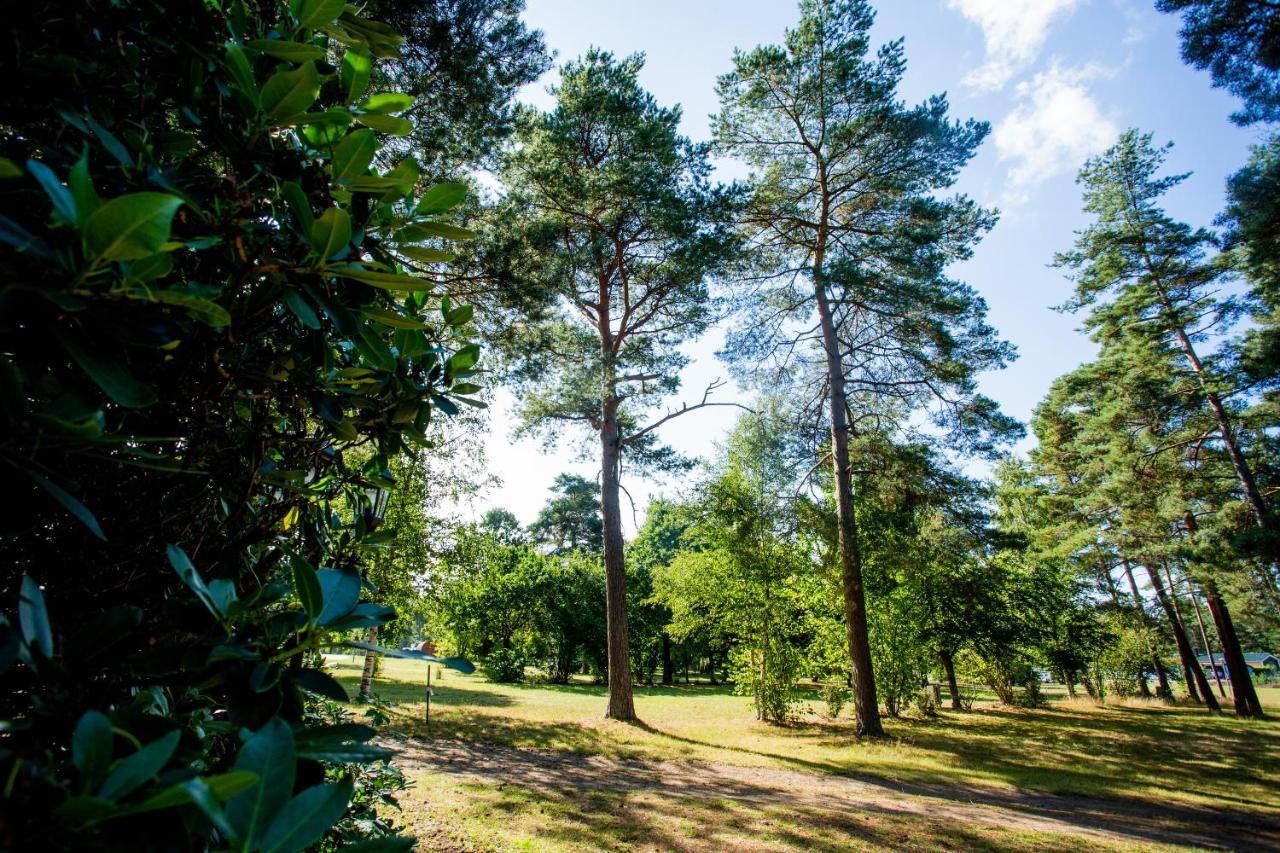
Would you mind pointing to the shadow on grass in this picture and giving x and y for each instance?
(950, 815)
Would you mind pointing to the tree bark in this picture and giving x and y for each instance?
(1208, 649)
(366, 675)
(668, 668)
(866, 707)
(621, 704)
(949, 667)
(1192, 672)
(1242, 692)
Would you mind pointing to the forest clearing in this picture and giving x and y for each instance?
(486, 425)
(534, 767)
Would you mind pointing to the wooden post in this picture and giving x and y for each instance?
(429, 692)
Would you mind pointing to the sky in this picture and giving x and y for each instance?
(1058, 80)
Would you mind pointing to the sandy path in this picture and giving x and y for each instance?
(1122, 821)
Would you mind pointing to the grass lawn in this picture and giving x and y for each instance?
(1142, 751)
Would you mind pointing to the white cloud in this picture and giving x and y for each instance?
(1014, 32)
(1055, 126)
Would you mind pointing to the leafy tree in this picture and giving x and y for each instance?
(571, 518)
(212, 355)
(612, 216)
(664, 534)
(462, 61)
(747, 576)
(503, 525)
(849, 218)
(1238, 41)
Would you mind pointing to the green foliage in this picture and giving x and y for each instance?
(215, 347)
(505, 666)
(571, 518)
(1238, 41)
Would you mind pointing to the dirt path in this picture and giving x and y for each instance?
(1117, 821)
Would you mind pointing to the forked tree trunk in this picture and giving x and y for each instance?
(866, 707)
(1192, 672)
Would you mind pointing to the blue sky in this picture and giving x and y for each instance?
(1057, 79)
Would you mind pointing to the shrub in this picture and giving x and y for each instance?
(836, 696)
(211, 353)
(505, 666)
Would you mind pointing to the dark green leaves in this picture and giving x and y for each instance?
(92, 746)
(307, 587)
(70, 502)
(136, 770)
(34, 618)
(217, 596)
(306, 817)
(340, 591)
(108, 372)
(53, 188)
(290, 51)
(269, 754)
(384, 280)
(130, 227)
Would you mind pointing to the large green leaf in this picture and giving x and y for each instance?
(388, 103)
(287, 94)
(320, 683)
(390, 125)
(441, 197)
(222, 787)
(71, 503)
(385, 280)
(34, 618)
(269, 754)
(346, 743)
(461, 664)
(191, 577)
(307, 587)
(353, 155)
(341, 591)
(130, 227)
(357, 65)
(317, 13)
(426, 255)
(92, 745)
(63, 203)
(81, 185)
(306, 817)
(136, 770)
(290, 51)
(331, 233)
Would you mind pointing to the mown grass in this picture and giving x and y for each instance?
(1139, 750)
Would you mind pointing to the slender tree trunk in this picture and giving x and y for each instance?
(1192, 672)
(1208, 649)
(1088, 685)
(366, 675)
(866, 707)
(949, 667)
(1162, 680)
(668, 670)
(621, 705)
(1242, 692)
(1069, 677)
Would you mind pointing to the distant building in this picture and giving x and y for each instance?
(1261, 665)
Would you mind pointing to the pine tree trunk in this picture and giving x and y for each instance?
(1208, 649)
(866, 707)
(1242, 692)
(1192, 672)
(949, 667)
(621, 704)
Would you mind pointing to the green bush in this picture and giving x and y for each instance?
(505, 666)
(214, 344)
